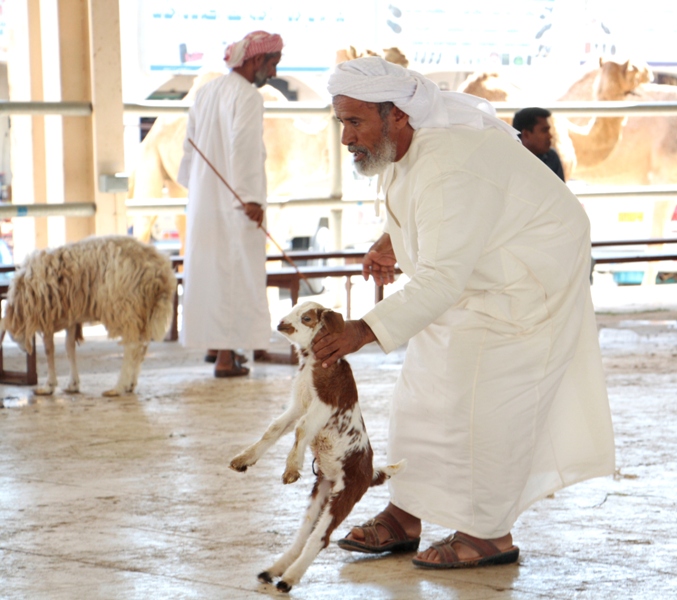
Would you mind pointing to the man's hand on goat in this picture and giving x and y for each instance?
(330, 347)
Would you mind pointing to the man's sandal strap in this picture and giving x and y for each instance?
(389, 523)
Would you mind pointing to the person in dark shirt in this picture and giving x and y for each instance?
(534, 128)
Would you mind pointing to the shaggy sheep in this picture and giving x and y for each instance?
(118, 281)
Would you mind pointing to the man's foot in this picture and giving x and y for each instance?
(461, 550)
(392, 530)
(211, 355)
(227, 365)
(262, 356)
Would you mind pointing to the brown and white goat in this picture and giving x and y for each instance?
(326, 416)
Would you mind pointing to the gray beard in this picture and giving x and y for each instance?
(260, 79)
(374, 163)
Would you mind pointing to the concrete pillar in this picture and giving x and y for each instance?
(38, 122)
(78, 155)
(108, 118)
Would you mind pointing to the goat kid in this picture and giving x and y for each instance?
(327, 416)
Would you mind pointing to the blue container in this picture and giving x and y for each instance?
(628, 277)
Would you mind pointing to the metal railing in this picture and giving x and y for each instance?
(333, 200)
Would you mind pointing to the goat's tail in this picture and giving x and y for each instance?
(383, 473)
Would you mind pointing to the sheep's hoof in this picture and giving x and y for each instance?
(44, 391)
(283, 586)
(72, 389)
(111, 393)
(265, 577)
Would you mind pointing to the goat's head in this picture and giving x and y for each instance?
(302, 323)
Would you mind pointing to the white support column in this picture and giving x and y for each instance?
(78, 158)
(108, 132)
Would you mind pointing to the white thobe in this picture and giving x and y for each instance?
(501, 399)
(224, 301)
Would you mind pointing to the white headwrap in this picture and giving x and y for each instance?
(372, 79)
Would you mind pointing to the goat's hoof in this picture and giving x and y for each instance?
(72, 389)
(290, 476)
(265, 577)
(237, 466)
(283, 586)
(111, 393)
(44, 391)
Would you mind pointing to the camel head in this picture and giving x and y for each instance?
(490, 86)
(393, 55)
(616, 80)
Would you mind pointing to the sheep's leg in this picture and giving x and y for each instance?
(71, 341)
(318, 501)
(132, 356)
(137, 366)
(316, 542)
(47, 390)
(307, 428)
(279, 427)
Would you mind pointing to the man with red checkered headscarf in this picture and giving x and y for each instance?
(225, 307)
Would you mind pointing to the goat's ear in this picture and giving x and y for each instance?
(332, 321)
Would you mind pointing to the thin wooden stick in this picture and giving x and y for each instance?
(270, 237)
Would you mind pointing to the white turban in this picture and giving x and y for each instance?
(372, 79)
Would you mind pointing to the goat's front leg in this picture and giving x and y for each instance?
(279, 427)
(306, 430)
(48, 342)
(71, 341)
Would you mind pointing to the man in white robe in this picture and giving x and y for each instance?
(225, 305)
(501, 399)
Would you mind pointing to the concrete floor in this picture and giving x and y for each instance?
(131, 498)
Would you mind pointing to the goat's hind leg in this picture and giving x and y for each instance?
(73, 335)
(327, 521)
(48, 389)
(318, 502)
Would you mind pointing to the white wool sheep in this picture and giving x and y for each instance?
(118, 281)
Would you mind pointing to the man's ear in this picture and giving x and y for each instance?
(257, 61)
(400, 119)
(332, 321)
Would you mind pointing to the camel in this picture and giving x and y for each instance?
(393, 55)
(581, 145)
(644, 151)
(647, 152)
(595, 141)
(296, 147)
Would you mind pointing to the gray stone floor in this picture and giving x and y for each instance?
(131, 498)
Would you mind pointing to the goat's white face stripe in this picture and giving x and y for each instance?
(302, 323)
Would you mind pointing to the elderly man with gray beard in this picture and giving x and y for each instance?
(501, 399)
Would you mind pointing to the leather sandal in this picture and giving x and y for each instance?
(211, 358)
(237, 370)
(397, 542)
(489, 553)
